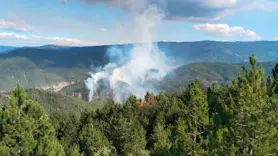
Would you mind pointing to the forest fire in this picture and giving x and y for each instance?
(149, 100)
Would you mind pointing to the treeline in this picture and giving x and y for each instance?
(240, 119)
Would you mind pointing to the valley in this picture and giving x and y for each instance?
(56, 67)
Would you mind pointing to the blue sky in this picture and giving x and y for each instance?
(96, 22)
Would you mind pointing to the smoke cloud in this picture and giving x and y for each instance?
(131, 68)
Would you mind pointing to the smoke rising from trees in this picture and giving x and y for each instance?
(142, 63)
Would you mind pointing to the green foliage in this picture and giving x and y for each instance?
(251, 113)
(25, 129)
(48, 65)
(207, 72)
(119, 124)
(273, 81)
(192, 127)
(93, 142)
(4, 99)
(161, 140)
(30, 75)
(74, 88)
(67, 128)
(55, 102)
(239, 119)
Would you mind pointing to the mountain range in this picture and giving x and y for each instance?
(53, 66)
(6, 48)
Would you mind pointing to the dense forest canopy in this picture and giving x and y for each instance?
(235, 119)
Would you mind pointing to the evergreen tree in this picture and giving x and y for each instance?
(220, 112)
(275, 72)
(25, 129)
(131, 107)
(272, 81)
(161, 138)
(183, 143)
(197, 118)
(67, 128)
(129, 137)
(93, 142)
(249, 128)
(240, 119)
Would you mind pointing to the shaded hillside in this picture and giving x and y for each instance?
(55, 102)
(44, 66)
(207, 72)
(82, 57)
(103, 92)
(48, 65)
(21, 70)
(77, 90)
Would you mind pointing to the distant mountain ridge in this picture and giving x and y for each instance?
(53, 46)
(215, 51)
(6, 48)
(186, 52)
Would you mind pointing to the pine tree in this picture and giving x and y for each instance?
(67, 127)
(249, 126)
(131, 107)
(275, 72)
(220, 112)
(25, 129)
(197, 118)
(129, 137)
(183, 143)
(161, 138)
(93, 142)
(272, 81)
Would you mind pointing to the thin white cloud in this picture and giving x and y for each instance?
(71, 41)
(12, 36)
(102, 29)
(226, 30)
(14, 23)
(45, 40)
(275, 38)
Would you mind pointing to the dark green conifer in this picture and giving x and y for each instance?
(25, 129)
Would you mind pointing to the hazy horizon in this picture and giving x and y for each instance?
(136, 43)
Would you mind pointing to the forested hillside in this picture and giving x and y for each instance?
(177, 80)
(207, 72)
(240, 119)
(55, 102)
(45, 66)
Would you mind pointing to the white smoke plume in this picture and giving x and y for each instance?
(131, 68)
